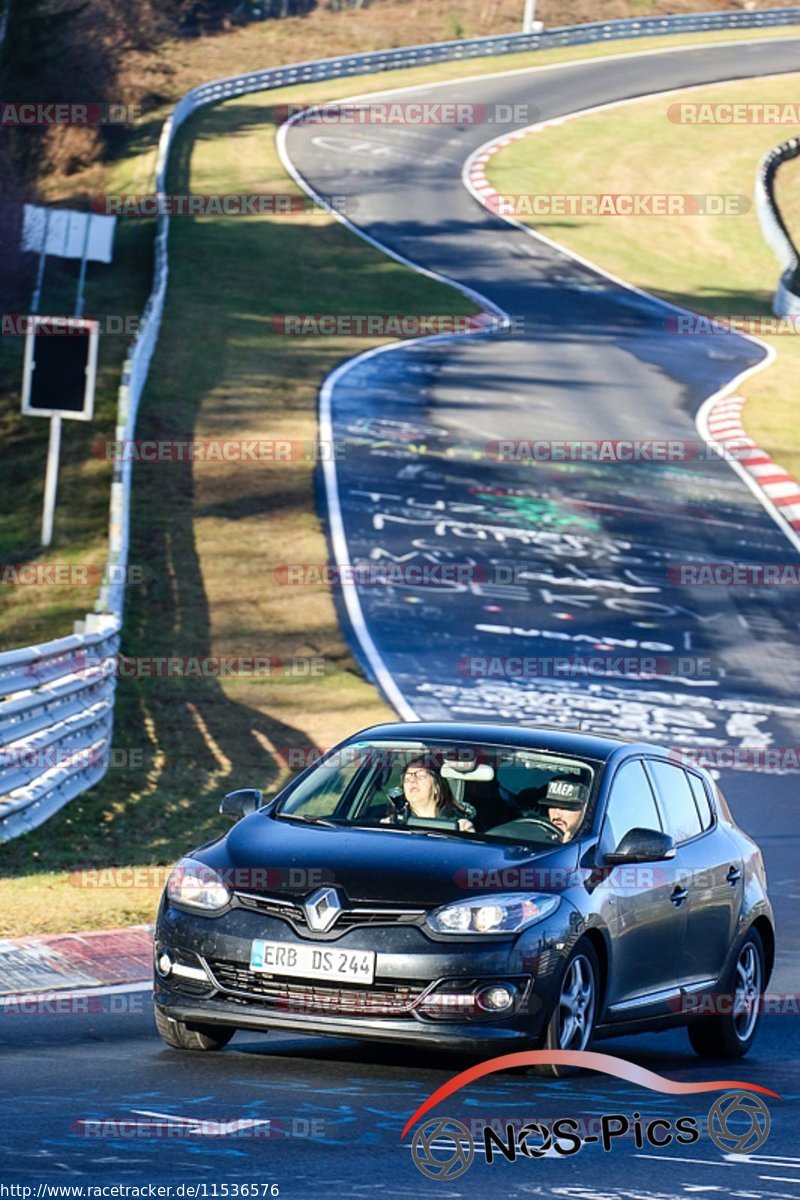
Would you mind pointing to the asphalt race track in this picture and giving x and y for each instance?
(592, 361)
(337, 1109)
(591, 548)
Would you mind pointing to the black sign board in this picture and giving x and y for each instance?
(60, 368)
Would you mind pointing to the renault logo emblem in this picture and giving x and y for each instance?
(321, 909)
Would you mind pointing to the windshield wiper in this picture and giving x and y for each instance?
(307, 820)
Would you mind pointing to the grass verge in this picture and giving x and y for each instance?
(718, 265)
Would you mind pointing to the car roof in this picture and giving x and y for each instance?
(526, 737)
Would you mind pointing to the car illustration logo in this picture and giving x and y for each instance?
(322, 909)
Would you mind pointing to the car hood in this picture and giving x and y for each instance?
(421, 869)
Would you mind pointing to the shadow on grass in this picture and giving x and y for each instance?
(181, 742)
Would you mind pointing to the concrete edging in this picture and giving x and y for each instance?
(51, 963)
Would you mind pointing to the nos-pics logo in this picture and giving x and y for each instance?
(443, 1148)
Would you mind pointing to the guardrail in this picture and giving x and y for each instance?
(774, 228)
(47, 709)
(56, 718)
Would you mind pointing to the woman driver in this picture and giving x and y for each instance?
(425, 795)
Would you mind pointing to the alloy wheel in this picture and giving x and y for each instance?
(576, 1005)
(747, 991)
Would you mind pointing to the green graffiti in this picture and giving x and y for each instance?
(532, 511)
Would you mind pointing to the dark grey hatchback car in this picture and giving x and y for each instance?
(477, 887)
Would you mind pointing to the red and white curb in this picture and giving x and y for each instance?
(780, 488)
(477, 168)
(65, 961)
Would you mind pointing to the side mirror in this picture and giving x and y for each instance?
(643, 845)
(240, 803)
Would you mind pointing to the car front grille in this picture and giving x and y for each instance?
(296, 996)
(352, 917)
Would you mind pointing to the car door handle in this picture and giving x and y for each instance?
(733, 876)
(678, 896)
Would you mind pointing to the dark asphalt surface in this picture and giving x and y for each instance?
(593, 363)
(338, 1107)
(590, 551)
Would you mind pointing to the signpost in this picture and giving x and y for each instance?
(529, 24)
(60, 368)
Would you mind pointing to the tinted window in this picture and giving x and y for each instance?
(701, 800)
(630, 805)
(500, 792)
(677, 799)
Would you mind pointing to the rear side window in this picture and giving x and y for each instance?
(701, 800)
(677, 800)
(630, 805)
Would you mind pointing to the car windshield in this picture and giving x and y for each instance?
(494, 793)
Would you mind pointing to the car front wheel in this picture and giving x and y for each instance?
(730, 1034)
(181, 1036)
(574, 1016)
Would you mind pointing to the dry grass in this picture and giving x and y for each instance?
(390, 23)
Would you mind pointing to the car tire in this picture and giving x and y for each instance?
(573, 1018)
(181, 1036)
(731, 1034)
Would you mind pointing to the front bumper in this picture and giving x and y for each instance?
(462, 1036)
(418, 994)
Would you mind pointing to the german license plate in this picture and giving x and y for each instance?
(301, 961)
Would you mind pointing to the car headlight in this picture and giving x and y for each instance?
(495, 914)
(196, 885)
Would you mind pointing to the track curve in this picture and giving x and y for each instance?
(412, 419)
(588, 549)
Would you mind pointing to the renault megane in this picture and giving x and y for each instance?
(477, 887)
